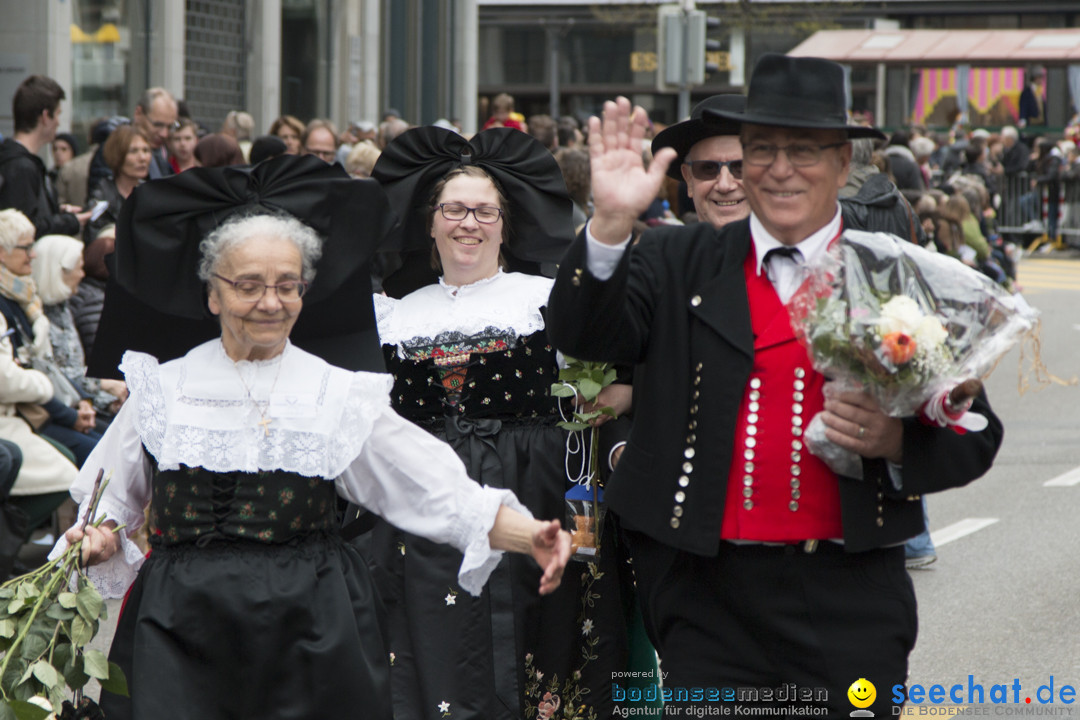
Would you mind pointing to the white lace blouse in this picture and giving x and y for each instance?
(507, 301)
(204, 410)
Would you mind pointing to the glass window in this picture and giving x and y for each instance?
(108, 60)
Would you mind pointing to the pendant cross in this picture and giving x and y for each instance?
(265, 422)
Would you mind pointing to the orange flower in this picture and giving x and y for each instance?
(899, 347)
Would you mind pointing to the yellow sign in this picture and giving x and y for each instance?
(646, 61)
(721, 59)
(643, 61)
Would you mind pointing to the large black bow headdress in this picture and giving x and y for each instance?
(155, 302)
(541, 224)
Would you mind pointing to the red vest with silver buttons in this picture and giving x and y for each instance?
(777, 491)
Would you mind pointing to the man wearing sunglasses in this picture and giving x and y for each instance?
(709, 160)
(765, 579)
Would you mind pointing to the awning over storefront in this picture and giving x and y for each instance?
(945, 47)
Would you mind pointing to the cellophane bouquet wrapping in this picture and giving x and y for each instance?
(904, 324)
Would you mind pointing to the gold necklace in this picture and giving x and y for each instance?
(264, 421)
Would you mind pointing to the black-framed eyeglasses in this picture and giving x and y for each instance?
(253, 290)
(457, 212)
(801, 154)
(710, 169)
(25, 248)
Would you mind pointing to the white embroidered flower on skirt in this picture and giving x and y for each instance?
(586, 627)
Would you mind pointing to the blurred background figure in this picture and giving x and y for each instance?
(240, 126)
(320, 139)
(289, 129)
(127, 155)
(58, 272)
(217, 150)
(266, 147)
(182, 143)
(362, 159)
(64, 149)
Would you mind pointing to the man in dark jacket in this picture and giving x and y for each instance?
(23, 180)
(765, 578)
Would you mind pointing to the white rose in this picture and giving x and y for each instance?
(930, 332)
(900, 314)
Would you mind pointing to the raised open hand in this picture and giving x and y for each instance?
(622, 187)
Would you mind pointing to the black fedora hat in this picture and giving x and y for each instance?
(796, 92)
(684, 135)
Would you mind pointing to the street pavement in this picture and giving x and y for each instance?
(1003, 603)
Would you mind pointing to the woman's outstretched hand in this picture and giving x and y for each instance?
(551, 550)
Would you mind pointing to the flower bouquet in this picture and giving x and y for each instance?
(45, 625)
(915, 329)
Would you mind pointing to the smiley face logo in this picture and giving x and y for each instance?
(862, 693)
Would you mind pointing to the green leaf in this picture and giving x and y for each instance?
(116, 683)
(562, 391)
(573, 426)
(6, 711)
(61, 654)
(89, 603)
(33, 646)
(589, 389)
(68, 600)
(15, 605)
(28, 711)
(95, 664)
(74, 676)
(27, 590)
(56, 612)
(81, 632)
(46, 673)
(610, 376)
(608, 410)
(7, 628)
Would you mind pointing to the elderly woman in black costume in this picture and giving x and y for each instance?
(250, 605)
(464, 336)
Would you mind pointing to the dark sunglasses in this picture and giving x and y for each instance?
(709, 169)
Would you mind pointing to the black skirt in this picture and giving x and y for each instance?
(505, 654)
(242, 630)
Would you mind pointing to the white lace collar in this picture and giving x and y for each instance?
(456, 290)
(508, 302)
(196, 411)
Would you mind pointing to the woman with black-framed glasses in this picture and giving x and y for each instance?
(463, 333)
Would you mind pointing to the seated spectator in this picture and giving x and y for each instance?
(362, 159)
(266, 147)
(182, 141)
(978, 253)
(58, 271)
(46, 473)
(68, 417)
(89, 299)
